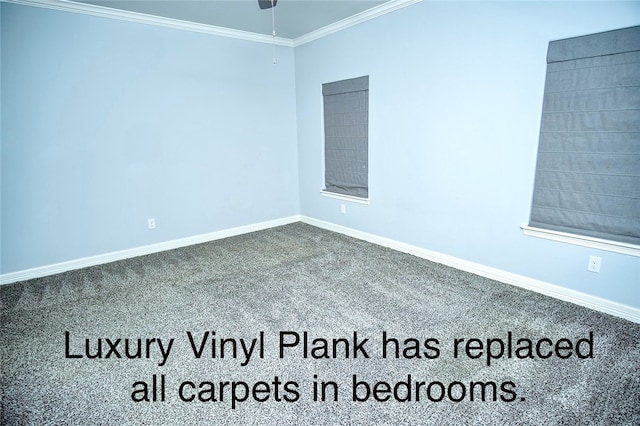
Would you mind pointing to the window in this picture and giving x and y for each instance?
(588, 170)
(346, 137)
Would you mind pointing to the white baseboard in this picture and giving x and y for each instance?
(552, 290)
(140, 251)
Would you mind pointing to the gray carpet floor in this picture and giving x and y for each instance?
(298, 278)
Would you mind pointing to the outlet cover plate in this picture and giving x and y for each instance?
(594, 264)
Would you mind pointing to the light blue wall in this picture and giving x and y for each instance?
(106, 123)
(455, 102)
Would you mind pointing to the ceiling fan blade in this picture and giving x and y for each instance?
(266, 4)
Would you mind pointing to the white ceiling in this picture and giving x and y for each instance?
(293, 18)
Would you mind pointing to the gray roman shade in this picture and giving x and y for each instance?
(588, 171)
(346, 136)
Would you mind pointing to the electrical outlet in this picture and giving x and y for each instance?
(594, 264)
(343, 209)
(151, 223)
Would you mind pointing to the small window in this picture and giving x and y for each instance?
(346, 137)
(588, 169)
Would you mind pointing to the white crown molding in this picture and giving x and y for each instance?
(123, 15)
(576, 297)
(107, 12)
(85, 262)
(382, 9)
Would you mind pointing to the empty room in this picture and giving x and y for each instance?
(320, 212)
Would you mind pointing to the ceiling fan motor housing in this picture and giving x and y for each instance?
(266, 4)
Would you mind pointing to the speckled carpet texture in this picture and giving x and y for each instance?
(298, 325)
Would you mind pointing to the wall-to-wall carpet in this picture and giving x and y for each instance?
(298, 325)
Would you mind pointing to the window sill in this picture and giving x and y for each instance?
(580, 240)
(346, 197)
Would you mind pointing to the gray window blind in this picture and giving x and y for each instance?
(588, 171)
(346, 136)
